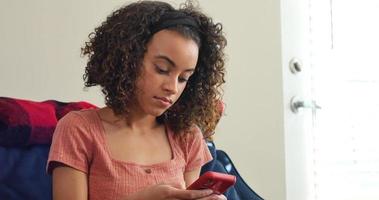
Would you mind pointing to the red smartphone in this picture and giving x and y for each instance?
(218, 182)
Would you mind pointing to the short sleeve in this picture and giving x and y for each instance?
(71, 144)
(196, 150)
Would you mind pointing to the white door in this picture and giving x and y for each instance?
(297, 88)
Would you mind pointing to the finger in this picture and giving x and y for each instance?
(174, 184)
(190, 194)
(214, 197)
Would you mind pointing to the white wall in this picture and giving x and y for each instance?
(252, 130)
(40, 59)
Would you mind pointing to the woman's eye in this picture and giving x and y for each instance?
(160, 70)
(182, 80)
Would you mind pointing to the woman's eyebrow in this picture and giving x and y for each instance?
(166, 59)
(172, 63)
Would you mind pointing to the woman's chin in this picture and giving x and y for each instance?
(157, 113)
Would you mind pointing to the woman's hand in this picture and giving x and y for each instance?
(214, 197)
(168, 192)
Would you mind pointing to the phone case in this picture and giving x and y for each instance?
(218, 182)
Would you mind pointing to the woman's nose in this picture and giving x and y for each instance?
(171, 85)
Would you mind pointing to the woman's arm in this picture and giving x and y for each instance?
(69, 183)
(191, 176)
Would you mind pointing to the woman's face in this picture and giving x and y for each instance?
(169, 62)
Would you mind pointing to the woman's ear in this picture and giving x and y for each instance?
(220, 107)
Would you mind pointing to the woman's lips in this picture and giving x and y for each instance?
(164, 101)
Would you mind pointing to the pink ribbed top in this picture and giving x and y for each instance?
(79, 142)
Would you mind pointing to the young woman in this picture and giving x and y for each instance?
(160, 70)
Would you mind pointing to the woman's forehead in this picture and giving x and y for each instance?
(174, 48)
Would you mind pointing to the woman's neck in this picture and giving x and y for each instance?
(133, 121)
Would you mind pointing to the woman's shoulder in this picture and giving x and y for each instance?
(81, 116)
(188, 136)
(193, 131)
(80, 120)
(78, 125)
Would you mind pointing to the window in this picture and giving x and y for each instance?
(345, 79)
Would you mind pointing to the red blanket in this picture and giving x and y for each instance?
(24, 122)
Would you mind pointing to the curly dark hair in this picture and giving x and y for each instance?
(116, 49)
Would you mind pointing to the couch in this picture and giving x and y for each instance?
(26, 128)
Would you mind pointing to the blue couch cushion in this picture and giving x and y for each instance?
(22, 173)
(222, 163)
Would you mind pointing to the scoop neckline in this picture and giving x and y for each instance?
(169, 135)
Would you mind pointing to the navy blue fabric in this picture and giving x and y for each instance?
(22, 173)
(222, 163)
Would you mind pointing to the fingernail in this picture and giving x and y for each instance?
(208, 191)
